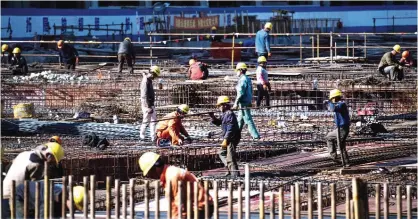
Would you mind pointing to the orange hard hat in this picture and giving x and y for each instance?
(405, 54)
(55, 139)
(60, 43)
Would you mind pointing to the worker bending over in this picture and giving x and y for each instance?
(231, 135)
(389, 66)
(67, 55)
(6, 54)
(18, 63)
(149, 116)
(342, 120)
(263, 84)
(154, 167)
(126, 52)
(243, 100)
(198, 70)
(262, 41)
(171, 127)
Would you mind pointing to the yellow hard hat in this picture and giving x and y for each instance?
(78, 196)
(397, 48)
(213, 28)
(60, 43)
(55, 139)
(261, 59)
(147, 161)
(184, 108)
(127, 38)
(268, 25)
(16, 50)
(335, 93)
(156, 70)
(56, 150)
(241, 65)
(192, 61)
(4, 47)
(222, 99)
(207, 36)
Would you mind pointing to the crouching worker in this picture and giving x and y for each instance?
(171, 128)
(342, 120)
(231, 135)
(18, 63)
(389, 66)
(154, 167)
(198, 70)
(78, 197)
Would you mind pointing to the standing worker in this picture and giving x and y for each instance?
(243, 100)
(18, 63)
(342, 120)
(6, 54)
(67, 55)
(171, 127)
(263, 84)
(389, 66)
(197, 70)
(154, 167)
(262, 41)
(147, 102)
(126, 52)
(231, 135)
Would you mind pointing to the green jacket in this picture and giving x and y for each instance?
(388, 59)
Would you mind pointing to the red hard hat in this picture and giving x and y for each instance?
(405, 54)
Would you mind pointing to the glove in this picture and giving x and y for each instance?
(400, 67)
(189, 140)
(269, 54)
(150, 110)
(325, 102)
(265, 87)
(224, 144)
(180, 142)
(235, 106)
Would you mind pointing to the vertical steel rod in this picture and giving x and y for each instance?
(92, 196)
(157, 199)
(195, 197)
(313, 46)
(13, 200)
(300, 48)
(385, 201)
(310, 201)
(180, 199)
(292, 201)
(281, 203)
(348, 50)
(233, 51)
(347, 203)
(230, 204)
(189, 200)
(85, 200)
(239, 202)
(261, 201)
(25, 199)
(377, 194)
(46, 191)
(272, 205)
(215, 195)
(64, 198)
(317, 45)
(247, 192)
(353, 50)
(319, 194)
(124, 206)
(131, 198)
(365, 46)
(408, 202)
(51, 200)
(70, 196)
(108, 196)
(146, 199)
(206, 187)
(297, 201)
(37, 200)
(333, 202)
(117, 198)
(398, 202)
(168, 197)
(330, 46)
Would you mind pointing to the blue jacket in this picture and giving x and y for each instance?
(341, 117)
(67, 53)
(230, 129)
(244, 91)
(262, 42)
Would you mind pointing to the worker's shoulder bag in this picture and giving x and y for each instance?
(204, 68)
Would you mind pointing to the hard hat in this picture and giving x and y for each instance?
(55, 139)
(241, 65)
(147, 161)
(268, 25)
(405, 54)
(397, 48)
(127, 38)
(192, 61)
(207, 36)
(261, 59)
(4, 47)
(213, 28)
(156, 70)
(335, 93)
(56, 150)
(16, 50)
(60, 44)
(184, 108)
(222, 99)
(78, 196)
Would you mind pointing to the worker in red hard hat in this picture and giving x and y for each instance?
(67, 55)
(406, 59)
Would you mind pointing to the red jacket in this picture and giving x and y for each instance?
(195, 73)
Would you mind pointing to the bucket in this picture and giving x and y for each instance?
(23, 110)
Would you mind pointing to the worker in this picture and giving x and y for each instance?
(243, 100)
(406, 59)
(263, 84)
(215, 38)
(342, 121)
(67, 55)
(6, 54)
(231, 135)
(126, 52)
(154, 167)
(389, 66)
(171, 127)
(18, 63)
(78, 197)
(262, 41)
(29, 165)
(149, 116)
(249, 43)
(198, 70)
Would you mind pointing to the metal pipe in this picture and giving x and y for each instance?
(348, 51)
(292, 202)
(132, 196)
(330, 46)
(317, 45)
(180, 203)
(300, 49)
(85, 200)
(215, 199)
(272, 205)
(313, 46)
(195, 198)
(408, 202)
(168, 197)
(335, 49)
(92, 196)
(347, 203)
(46, 191)
(247, 192)
(108, 196)
(365, 46)
(233, 51)
(353, 50)
(51, 199)
(297, 200)
(230, 205)
(70, 196)
(150, 49)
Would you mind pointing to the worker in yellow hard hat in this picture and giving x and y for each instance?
(149, 116)
(214, 38)
(152, 166)
(68, 55)
(18, 63)
(263, 84)
(6, 54)
(171, 127)
(231, 135)
(342, 121)
(126, 52)
(262, 41)
(389, 66)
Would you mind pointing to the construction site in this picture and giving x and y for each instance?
(287, 173)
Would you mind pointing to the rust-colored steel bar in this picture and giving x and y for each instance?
(64, 198)
(272, 205)
(46, 191)
(71, 196)
(25, 199)
(168, 198)
(230, 204)
(215, 200)
(108, 196)
(86, 200)
(92, 196)
(131, 198)
(51, 199)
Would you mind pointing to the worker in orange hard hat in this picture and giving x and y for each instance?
(18, 63)
(406, 59)
(389, 66)
(67, 55)
(262, 41)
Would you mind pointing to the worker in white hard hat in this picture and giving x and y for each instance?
(154, 167)
(171, 127)
(389, 66)
(149, 116)
(68, 55)
(262, 41)
(18, 63)
(126, 52)
(342, 121)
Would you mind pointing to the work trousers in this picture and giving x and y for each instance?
(263, 54)
(201, 212)
(228, 157)
(332, 141)
(70, 64)
(121, 60)
(393, 73)
(261, 93)
(170, 134)
(148, 119)
(244, 116)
